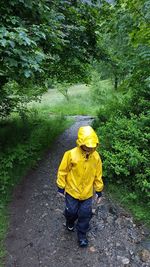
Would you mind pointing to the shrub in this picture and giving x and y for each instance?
(22, 149)
(125, 152)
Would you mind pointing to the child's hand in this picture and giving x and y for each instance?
(98, 197)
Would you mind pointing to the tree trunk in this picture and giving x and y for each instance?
(116, 82)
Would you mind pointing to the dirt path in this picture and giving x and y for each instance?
(37, 237)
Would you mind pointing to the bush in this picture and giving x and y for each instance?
(125, 152)
(101, 90)
(28, 139)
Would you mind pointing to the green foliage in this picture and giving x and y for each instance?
(42, 40)
(63, 89)
(3, 230)
(21, 150)
(125, 152)
(123, 48)
(124, 143)
(101, 90)
(130, 201)
(15, 98)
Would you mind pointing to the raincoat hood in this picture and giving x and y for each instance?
(87, 137)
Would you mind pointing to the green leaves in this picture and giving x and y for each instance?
(23, 148)
(46, 39)
(126, 157)
(27, 73)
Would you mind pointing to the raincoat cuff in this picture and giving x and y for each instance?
(99, 194)
(61, 190)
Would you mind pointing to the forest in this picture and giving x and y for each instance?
(104, 45)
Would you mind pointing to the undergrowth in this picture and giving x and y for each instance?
(22, 144)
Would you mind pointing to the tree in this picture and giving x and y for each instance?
(123, 34)
(42, 39)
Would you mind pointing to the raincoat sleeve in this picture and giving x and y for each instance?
(98, 182)
(63, 170)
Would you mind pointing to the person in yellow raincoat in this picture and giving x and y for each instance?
(79, 177)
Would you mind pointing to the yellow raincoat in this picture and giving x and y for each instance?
(80, 174)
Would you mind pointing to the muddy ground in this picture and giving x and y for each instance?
(38, 238)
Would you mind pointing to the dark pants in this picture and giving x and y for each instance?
(81, 210)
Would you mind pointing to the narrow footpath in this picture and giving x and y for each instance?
(38, 238)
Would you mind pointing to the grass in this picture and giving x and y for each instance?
(3, 230)
(80, 102)
(20, 151)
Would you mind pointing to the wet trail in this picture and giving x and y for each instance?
(37, 237)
